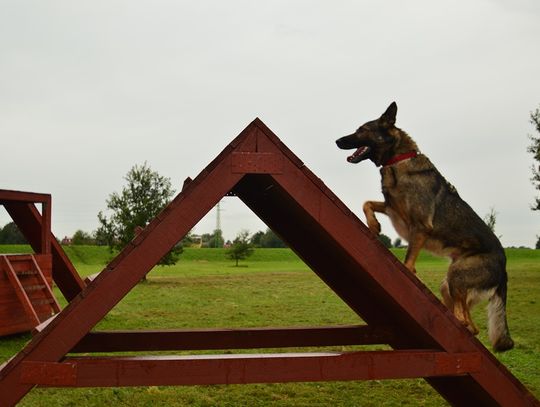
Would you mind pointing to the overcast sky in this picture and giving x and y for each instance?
(88, 89)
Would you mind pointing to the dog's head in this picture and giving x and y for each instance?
(375, 140)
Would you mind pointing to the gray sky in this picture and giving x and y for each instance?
(88, 89)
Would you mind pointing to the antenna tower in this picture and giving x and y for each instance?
(218, 216)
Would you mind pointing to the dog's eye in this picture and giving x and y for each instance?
(381, 137)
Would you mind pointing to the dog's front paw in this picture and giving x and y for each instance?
(374, 226)
(412, 269)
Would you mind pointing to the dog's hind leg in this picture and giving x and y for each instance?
(446, 297)
(468, 319)
(461, 310)
(369, 208)
(463, 276)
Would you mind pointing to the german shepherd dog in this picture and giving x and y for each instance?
(427, 211)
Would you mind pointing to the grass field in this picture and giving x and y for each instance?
(275, 288)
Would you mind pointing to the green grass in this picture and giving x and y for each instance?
(275, 288)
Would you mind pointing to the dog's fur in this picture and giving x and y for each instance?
(428, 212)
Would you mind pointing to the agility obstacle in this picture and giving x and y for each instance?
(26, 298)
(399, 311)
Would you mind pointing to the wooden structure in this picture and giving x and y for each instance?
(36, 228)
(26, 299)
(398, 309)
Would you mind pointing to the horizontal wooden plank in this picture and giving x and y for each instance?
(22, 196)
(251, 368)
(15, 327)
(245, 338)
(15, 310)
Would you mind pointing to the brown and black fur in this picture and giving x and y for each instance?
(428, 212)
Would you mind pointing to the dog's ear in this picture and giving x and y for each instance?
(388, 118)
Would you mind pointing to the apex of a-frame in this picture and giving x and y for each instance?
(257, 137)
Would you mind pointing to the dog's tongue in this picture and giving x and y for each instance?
(357, 155)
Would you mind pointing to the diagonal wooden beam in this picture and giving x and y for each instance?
(324, 225)
(126, 270)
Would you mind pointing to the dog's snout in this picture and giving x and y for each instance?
(345, 142)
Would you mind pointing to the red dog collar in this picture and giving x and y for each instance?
(400, 157)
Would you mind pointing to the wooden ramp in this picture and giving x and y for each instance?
(26, 298)
(399, 310)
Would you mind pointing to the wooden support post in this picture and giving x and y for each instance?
(46, 227)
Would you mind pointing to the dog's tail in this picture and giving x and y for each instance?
(499, 335)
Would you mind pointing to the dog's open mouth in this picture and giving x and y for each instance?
(360, 154)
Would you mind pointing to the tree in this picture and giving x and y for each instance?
(397, 243)
(144, 196)
(256, 239)
(241, 247)
(270, 239)
(213, 240)
(491, 219)
(534, 149)
(82, 238)
(10, 234)
(188, 239)
(385, 240)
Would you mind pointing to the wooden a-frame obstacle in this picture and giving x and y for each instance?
(399, 310)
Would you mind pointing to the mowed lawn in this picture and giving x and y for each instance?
(275, 288)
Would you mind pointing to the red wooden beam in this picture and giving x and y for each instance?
(247, 338)
(21, 196)
(46, 227)
(251, 368)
